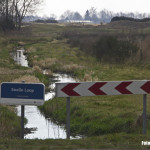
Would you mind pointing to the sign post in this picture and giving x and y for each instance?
(144, 113)
(68, 117)
(103, 88)
(22, 121)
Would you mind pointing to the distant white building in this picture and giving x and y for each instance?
(80, 21)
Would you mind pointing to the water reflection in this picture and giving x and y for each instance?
(20, 58)
(58, 78)
(45, 127)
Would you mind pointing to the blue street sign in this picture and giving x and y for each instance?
(22, 93)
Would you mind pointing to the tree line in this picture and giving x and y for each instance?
(103, 16)
(12, 12)
(129, 19)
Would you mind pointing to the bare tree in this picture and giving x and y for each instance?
(67, 15)
(16, 10)
(22, 7)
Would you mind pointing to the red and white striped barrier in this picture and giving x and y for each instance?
(102, 88)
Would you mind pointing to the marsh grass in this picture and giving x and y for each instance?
(117, 119)
(9, 123)
(90, 115)
(11, 72)
(95, 116)
(115, 141)
(113, 119)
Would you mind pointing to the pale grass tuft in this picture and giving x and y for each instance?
(87, 77)
(51, 61)
(90, 77)
(14, 71)
(71, 67)
(35, 56)
(37, 68)
(55, 41)
(47, 63)
(27, 78)
(31, 49)
(21, 43)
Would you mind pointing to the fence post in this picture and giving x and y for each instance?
(68, 117)
(144, 113)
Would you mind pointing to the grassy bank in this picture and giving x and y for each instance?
(11, 72)
(95, 116)
(9, 123)
(115, 141)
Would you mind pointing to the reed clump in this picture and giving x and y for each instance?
(71, 67)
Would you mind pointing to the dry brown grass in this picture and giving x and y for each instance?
(145, 47)
(21, 43)
(37, 68)
(55, 41)
(144, 51)
(13, 71)
(27, 78)
(44, 64)
(90, 77)
(71, 67)
(31, 49)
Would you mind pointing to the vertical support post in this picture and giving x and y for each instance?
(68, 117)
(144, 113)
(22, 121)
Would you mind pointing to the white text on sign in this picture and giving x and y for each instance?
(22, 90)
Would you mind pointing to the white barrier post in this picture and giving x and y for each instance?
(68, 117)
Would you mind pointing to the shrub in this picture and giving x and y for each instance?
(110, 49)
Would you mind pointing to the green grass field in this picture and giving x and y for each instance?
(105, 121)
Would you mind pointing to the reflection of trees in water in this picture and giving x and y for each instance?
(20, 58)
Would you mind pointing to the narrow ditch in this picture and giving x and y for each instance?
(42, 128)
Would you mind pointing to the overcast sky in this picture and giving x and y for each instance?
(58, 7)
